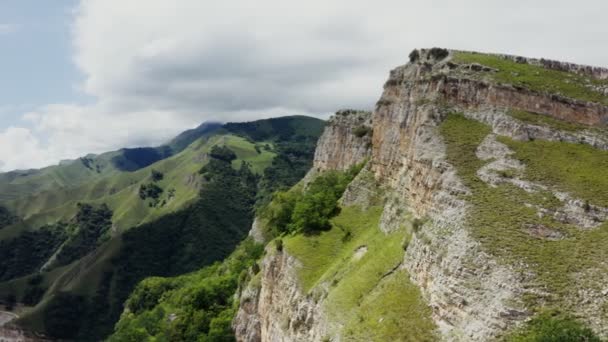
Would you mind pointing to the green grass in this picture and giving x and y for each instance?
(120, 190)
(371, 297)
(537, 78)
(318, 253)
(498, 216)
(575, 168)
(395, 310)
(553, 326)
(547, 121)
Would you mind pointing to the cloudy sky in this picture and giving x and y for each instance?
(95, 75)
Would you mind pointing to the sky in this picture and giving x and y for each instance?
(88, 76)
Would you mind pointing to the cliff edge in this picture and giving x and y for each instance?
(489, 172)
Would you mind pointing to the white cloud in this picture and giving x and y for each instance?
(156, 66)
(59, 131)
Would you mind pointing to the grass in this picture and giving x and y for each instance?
(318, 253)
(120, 190)
(392, 310)
(370, 296)
(498, 216)
(553, 326)
(538, 78)
(547, 121)
(575, 168)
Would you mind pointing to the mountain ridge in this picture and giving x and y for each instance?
(91, 263)
(459, 142)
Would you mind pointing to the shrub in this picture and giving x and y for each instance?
(362, 131)
(438, 53)
(414, 55)
(278, 212)
(150, 190)
(310, 211)
(157, 176)
(222, 153)
(147, 294)
(33, 295)
(553, 326)
(278, 243)
(417, 224)
(36, 280)
(6, 218)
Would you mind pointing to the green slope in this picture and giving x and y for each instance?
(167, 219)
(500, 216)
(20, 184)
(121, 191)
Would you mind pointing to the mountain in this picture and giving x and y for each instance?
(76, 238)
(481, 213)
(470, 205)
(71, 173)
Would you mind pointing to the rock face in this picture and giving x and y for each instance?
(272, 306)
(274, 309)
(346, 141)
(473, 296)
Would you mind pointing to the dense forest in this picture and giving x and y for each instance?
(28, 252)
(6, 218)
(200, 306)
(178, 243)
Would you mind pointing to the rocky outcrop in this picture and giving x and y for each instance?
(345, 142)
(473, 296)
(273, 308)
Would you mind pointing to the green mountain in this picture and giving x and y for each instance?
(76, 238)
(471, 205)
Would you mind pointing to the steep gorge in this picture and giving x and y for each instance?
(493, 233)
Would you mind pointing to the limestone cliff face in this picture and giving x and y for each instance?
(409, 158)
(345, 142)
(272, 306)
(473, 296)
(274, 309)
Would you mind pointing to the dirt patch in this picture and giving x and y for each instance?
(359, 253)
(543, 232)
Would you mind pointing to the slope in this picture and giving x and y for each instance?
(179, 215)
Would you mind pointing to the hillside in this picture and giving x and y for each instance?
(480, 214)
(470, 205)
(93, 240)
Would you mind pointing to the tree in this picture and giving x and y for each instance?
(157, 176)
(222, 153)
(62, 318)
(9, 301)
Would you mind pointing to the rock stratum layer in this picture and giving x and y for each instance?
(474, 291)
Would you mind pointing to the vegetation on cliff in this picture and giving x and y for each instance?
(196, 307)
(501, 217)
(367, 290)
(308, 211)
(538, 78)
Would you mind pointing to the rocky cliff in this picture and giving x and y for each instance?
(460, 143)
